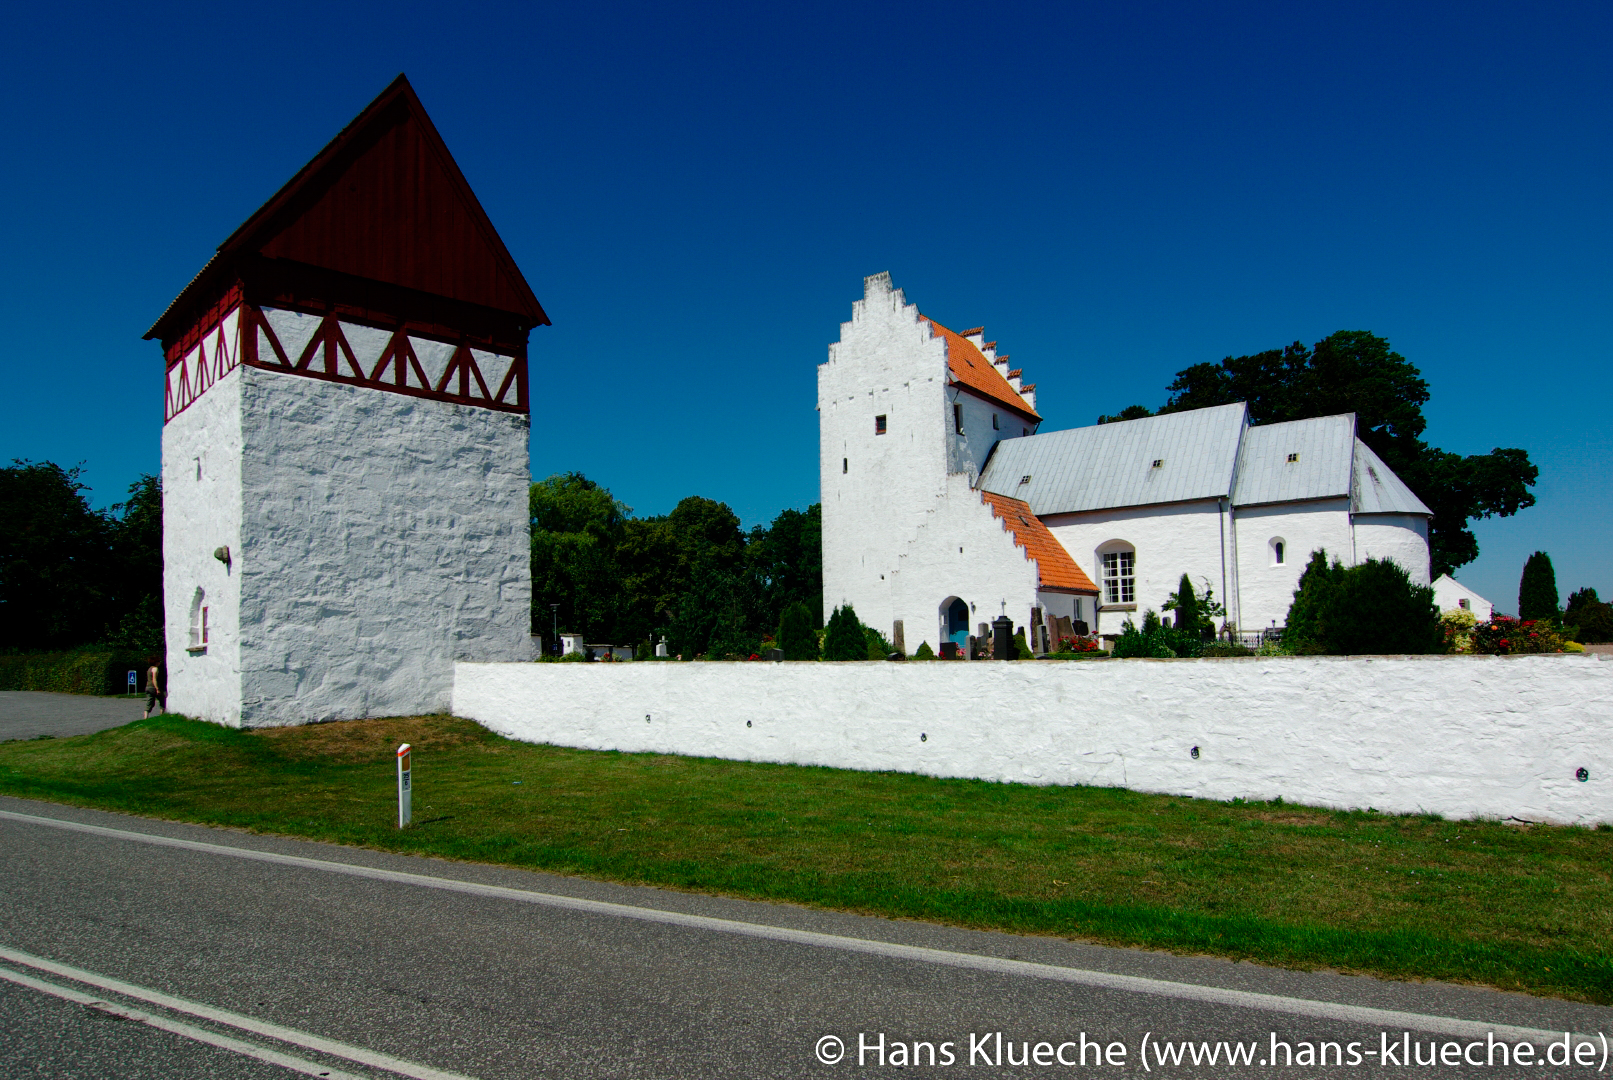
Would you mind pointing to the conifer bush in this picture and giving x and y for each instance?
(1537, 589)
(843, 638)
(797, 637)
(924, 652)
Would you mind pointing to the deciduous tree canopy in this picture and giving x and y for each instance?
(71, 575)
(693, 575)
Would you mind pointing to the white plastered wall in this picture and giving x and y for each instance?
(201, 503)
(1401, 537)
(1459, 735)
(383, 538)
(961, 550)
(1449, 594)
(1266, 589)
(1169, 540)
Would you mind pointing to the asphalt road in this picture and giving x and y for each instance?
(28, 714)
(485, 972)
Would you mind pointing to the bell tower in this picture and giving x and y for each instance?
(344, 451)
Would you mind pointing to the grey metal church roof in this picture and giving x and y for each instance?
(1377, 490)
(1321, 448)
(1201, 454)
(1112, 465)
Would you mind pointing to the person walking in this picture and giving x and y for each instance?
(155, 698)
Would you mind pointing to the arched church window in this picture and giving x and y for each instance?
(1119, 563)
(1279, 551)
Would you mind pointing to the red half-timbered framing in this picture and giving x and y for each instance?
(329, 356)
(379, 230)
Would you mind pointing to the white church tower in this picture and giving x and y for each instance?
(909, 412)
(344, 452)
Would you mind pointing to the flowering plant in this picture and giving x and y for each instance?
(1077, 644)
(1503, 635)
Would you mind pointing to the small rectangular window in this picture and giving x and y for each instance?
(1464, 604)
(1292, 458)
(845, 465)
(957, 418)
(1159, 463)
(994, 422)
(879, 425)
(204, 626)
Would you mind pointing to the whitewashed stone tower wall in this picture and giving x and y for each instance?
(345, 446)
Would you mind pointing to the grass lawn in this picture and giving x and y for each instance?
(1526, 908)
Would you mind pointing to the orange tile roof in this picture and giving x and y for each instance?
(970, 367)
(1056, 570)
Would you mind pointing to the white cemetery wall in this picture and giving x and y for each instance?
(201, 504)
(385, 537)
(1458, 736)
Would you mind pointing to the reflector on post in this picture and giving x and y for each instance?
(403, 785)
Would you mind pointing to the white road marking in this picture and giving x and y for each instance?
(218, 1016)
(189, 1031)
(1368, 1016)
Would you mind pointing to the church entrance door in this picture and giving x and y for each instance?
(956, 614)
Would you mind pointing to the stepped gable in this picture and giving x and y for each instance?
(1057, 571)
(380, 227)
(970, 368)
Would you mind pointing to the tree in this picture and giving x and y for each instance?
(1356, 371)
(1537, 589)
(1590, 618)
(577, 527)
(55, 574)
(136, 569)
(843, 638)
(797, 634)
(787, 559)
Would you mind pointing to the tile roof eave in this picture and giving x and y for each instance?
(975, 392)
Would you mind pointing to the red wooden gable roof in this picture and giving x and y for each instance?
(385, 202)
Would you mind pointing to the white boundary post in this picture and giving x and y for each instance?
(404, 812)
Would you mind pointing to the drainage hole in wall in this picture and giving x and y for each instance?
(747, 723)
(1582, 775)
(923, 737)
(1194, 753)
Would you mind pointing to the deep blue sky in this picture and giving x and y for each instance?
(1116, 191)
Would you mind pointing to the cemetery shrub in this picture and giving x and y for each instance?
(924, 652)
(843, 638)
(1369, 608)
(1537, 589)
(797, 637)
(879, 646)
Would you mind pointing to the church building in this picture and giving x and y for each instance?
(946, 505)
(344, 446)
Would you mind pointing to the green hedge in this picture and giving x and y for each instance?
(86, 671)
